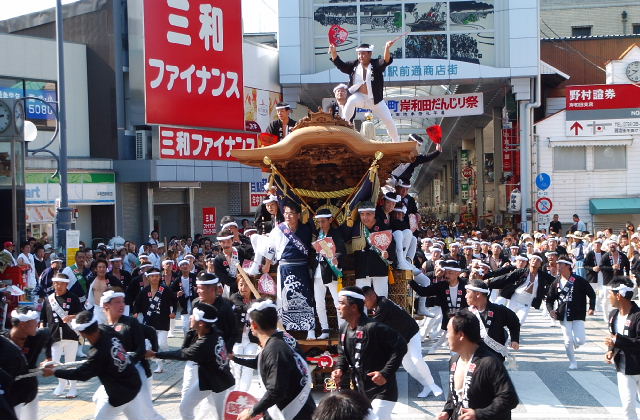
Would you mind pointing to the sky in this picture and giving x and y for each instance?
(258, 15)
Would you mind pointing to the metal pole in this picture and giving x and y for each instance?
(14, 195)
(63, 219)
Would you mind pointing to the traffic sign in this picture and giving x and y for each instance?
(544, 205)
(543, 181)
(467, 172)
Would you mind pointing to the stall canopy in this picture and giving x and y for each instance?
(627, 205)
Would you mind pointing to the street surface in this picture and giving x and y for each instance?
(547, 389)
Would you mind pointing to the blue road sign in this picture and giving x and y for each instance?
(543, 181)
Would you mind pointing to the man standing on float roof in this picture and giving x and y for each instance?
(366, 84)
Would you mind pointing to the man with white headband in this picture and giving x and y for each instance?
(59, 309)
(371, 264)
(209, 291)
(366, 83)
(369, 352)
(157, 303)
(132, 335)
(31, 340)
(410, 242)
(226, 262)
(614, 263)
(284, 124)
(283, 372)
(45, 284)
(184, 286)
(623, 347)
(566, 302)
(207, 369)
(138, 282)
(119, 273)
(328, 270)
(403, 237)
(109, 361)
(524, 288)
(494, 319)
(388, 312)
(340, 94)
(238, 240)
(595, 276)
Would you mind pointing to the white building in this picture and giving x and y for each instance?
(595, 177)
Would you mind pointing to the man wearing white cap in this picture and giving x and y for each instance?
(58, 310)
(226, 263)
(371, 264)
(622, 344)
(31, 340)
(45, 283)
(366, 84)
(109, 361)
(284, 124)
(524, 288)
(132, 335)
(566, 302)
(371, 350)
(157, 303)
(340, 93)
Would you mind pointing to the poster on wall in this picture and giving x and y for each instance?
(259, 108)
(209, 221)
(444, 31)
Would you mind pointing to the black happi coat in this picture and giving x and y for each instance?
(60, 330)
(12, 364)
(377, 69)
(341, 250)
(176, 286)
(221, 268)
(124, 277)
(168, 303)
(590, 264)
(407, 169)
(132, 335)
(439, 291)
(242, 319)
(210, 354)
(491, 393)
(627, 346)
(367, 262)
(226, 323)
(389, 313)
(581, 290)
(382, 349)
(608, 273)
(26, 389)
(501, 318)
(509, 283)
(281, 377)
(264, 221)
(45, 282)
(108, 361)
(275, 127)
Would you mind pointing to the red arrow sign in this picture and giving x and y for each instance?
(576, 126)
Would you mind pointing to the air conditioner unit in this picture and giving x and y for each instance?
(143, 144)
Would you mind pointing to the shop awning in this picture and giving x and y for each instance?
(629, 205)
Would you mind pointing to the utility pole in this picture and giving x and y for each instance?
(63, 219)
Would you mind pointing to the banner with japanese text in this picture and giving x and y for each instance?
(209, 221)
(187, 143)
(193, 63)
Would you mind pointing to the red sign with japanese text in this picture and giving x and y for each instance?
(209, 221)
(586, 97)
(193, 63)
(186, 143)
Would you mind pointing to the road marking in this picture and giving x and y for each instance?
(601, 388)
(535, 396)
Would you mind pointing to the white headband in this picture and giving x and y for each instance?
(622, 289)
(151, 273)
(569, 263)
(351, 294)
(521, 258)
(362, 210)
(143, 256)
(283, 107)
(224, 238)
(227, 225)
(261, 306)
(340, 86)
(395, 200)
(29, 316)
(81, 327)
(115, 259)
(57, 260)
(108, 295)
(400, 209)
(146, 265)
(205, 282)
(60, 279)
(198, 315)
(476, 289)
(535, 257)
(365, 49)
(514, 247)
(189, 256)
(166, 262)
(270, 199)
(322, 216)
(451, 268)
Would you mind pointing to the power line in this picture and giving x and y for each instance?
(571, 47)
